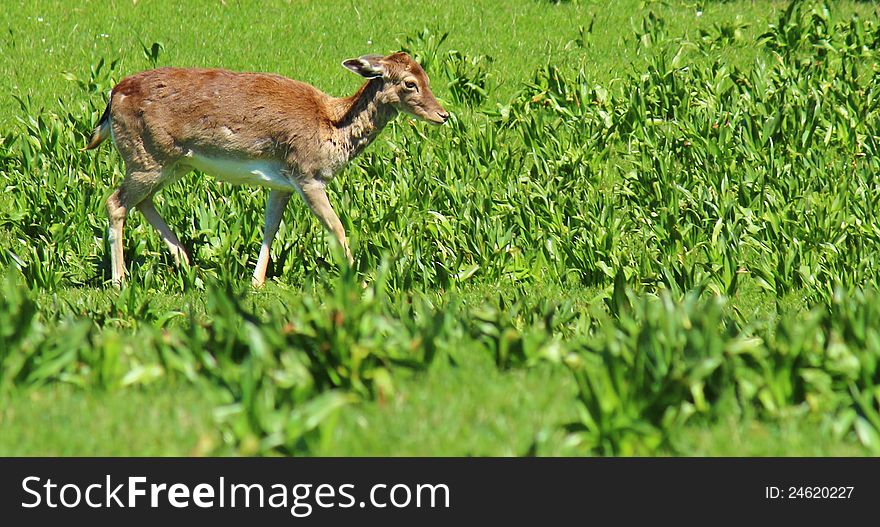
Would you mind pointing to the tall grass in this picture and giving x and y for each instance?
(688, 181)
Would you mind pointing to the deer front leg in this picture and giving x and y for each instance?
(316, 198)
(274, 211)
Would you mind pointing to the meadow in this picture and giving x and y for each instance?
(649, 228)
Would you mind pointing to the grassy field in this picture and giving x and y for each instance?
(650, 228)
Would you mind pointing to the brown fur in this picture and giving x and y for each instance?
(163, 120)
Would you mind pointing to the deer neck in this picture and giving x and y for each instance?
(360, 118)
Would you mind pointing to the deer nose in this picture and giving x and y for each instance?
(443, 115)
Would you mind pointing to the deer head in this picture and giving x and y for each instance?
(405, 85)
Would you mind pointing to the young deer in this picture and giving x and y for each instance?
(249, 128)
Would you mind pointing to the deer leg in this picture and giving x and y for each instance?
(274, 211)
(116, 211)
(148, 209)
(316, 198)
(136, 186)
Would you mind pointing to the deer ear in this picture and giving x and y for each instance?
(367, 66)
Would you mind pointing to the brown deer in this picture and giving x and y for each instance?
(249, 128)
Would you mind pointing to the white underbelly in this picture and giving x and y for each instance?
(259, 172)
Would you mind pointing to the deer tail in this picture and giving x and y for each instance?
(102, 130)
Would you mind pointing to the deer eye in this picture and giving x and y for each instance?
(410, 85)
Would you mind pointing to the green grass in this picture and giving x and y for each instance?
(62, 421)
(473, 411)
(308, 41)
(787, 437)
(625, 242)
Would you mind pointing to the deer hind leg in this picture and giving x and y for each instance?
(116, 210)
(137, 186)
(148, 209)
(316, 198)
(274, 211)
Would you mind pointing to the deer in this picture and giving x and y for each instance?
(249, 129)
